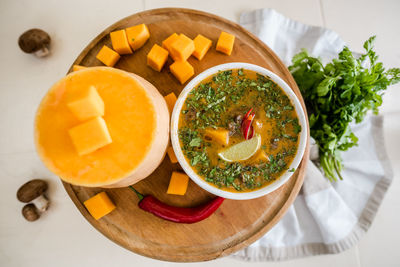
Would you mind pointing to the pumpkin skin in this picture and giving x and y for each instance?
(137, 118)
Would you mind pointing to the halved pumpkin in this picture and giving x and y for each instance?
(137, 118)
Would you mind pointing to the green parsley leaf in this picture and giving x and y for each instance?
(338, 94)
(195, 142)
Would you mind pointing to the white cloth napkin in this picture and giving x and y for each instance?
(325, 217)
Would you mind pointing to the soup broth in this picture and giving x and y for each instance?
(218, 104)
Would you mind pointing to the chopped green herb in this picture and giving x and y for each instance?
(195, 142)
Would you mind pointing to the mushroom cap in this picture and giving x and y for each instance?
(30, 212)
(33, 40)
(31, 190)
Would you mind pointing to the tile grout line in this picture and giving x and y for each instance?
(321, 8)
(358, 256)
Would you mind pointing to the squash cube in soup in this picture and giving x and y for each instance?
(90, 136)
(137, 36)
(78, 67)
(178, 184)
(225, 43)
(119, 42)
(108, 56)
(201, 46)
(171, 155)
(182, 70)
(157, 57)
(171, 100)
(182, 48)
(260, 156)
(99, 205)
(86, 104)
(220, 136)
(167, 42)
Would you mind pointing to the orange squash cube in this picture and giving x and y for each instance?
(119, 42)
(225, 43)
(182, 70)
(171, 155)
(78, 67)
(218, 135)
(260, 156)
(90, 136)
(157, 57)
(178, 184)
(99, 205)
(182, 48)
(108, 56)
(137, 36)
(86, 103)
(201, 46)
(167, 42)
(171, 100)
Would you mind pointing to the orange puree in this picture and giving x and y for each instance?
(137, 119)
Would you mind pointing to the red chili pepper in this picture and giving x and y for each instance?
(178, 214)
(251, 133)
(247, 114)
(247, 128)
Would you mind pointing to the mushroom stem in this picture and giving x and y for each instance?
(42, 52)
(41, 203)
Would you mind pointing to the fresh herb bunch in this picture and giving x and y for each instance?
(338, 94)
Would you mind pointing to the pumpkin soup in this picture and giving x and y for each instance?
(238, 130)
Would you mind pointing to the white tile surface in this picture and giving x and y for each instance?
(63, 237)
(357, 20)
(310, 11)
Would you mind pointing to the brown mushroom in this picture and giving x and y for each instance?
(232, 126)
(30, 212)
(274, 143)
(33, 191)
(35, 41)
(239, 118)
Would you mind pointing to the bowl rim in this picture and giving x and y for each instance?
(199, 180)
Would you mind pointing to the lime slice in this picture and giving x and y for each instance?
(241, 151)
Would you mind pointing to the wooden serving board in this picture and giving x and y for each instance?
(236, 224)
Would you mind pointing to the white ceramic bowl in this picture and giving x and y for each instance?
(199, 180)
